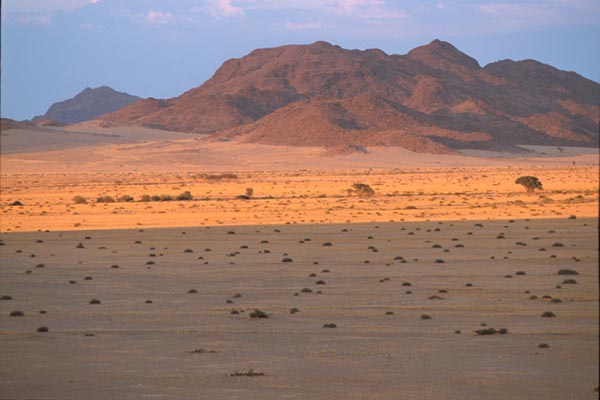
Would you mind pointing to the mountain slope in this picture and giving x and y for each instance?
(433, 99)
(87, 105)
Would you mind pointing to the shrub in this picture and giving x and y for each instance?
(329, 325)
(569, 282)
(185, 196)
(249, 192)
(294, 310)
(530, 183)
(145, 198)
(217, 177)
(17, 314)
(105, 199)
(567, 271)
(486, 331)
(42, 329)
(548, 314)
(287, 259)
(361, 190)
(425, 316)
(258, 314)
(95, 301)
(6, 297)
(79, 200)
(125, 198)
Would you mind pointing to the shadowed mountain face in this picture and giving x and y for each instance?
(433, 99)
(87, 105)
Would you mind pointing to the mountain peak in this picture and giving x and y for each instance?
(441, 55)
(87, 104)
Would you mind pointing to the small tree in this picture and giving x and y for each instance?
(530, 183)
(362, 190)
(249, 192)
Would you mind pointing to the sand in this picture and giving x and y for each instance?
(150, 338)
(141, 350)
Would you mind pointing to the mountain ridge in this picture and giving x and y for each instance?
(434, 98)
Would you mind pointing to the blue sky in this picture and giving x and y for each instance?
(53, 49)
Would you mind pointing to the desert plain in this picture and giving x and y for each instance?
(376, 297)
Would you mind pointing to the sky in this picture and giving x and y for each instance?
(53, 49)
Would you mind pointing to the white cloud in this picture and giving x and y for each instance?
(293, 26)
(227, 9)
(352, 6)
(157, 17)
(219, 9)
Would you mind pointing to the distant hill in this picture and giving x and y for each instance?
(433, 99)
(7, 123)
(87, 105)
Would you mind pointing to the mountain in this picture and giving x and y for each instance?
(87, 105)
(433, 99)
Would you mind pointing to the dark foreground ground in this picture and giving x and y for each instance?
(151, 338)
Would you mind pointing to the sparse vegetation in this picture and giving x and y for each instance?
(567, 271)
(17, 313)
(530, 183)
(258, 314)
(105, 199)
(548, 314)
(361, 190)
(79, 200)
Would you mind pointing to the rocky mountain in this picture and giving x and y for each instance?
(87, 105)
(433, 99)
